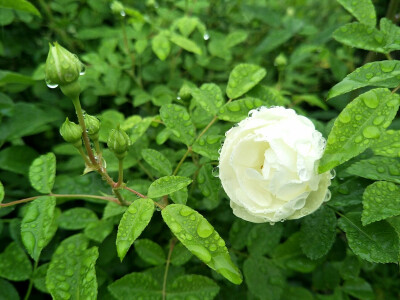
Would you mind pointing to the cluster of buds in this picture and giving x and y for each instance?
(63, 69)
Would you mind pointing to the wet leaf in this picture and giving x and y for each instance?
(359, 126)
(198, 235)
(377, 168)
(167, 185)
(14, 263)
(42, 173)
(238, 110)
(157, 160)
(381, 200)
(243, 78)
(38, 225)
(72, 271)
(363, 10)
(133, 222)
(377, 242)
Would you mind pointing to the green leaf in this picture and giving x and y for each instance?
(381, 200)
(14, 263)
(209, 186)
(186, 25)
(377, 168)
(180, 197)
(42, 173)
(180, 255)
(263, 278)
(392, 33)
(263, 238)
(208, 146)
(167, 185)
(361, 36)
(39, 278)
(185, 43)
(21, 5)
(192, 287)
(234, 38)
(38, 225)
(238, 234)
(376, 242)
(363, 10)
(17, 159)
(72, 271)
(158, 161)
(98, 230)
(238, 110)
(388, 144)
(358, 126)
(209, 97)
(113, 209)
(290, 256)
(140, 128)
(177, 119)
(243, 78)
(133, 222)
(150, 252)
(161, 46)
(359, 289)
(7, 77)
(296, 292)
(8, 291)
(318, 232)
(198, 235)
(350, 267)
(136, 286)
(379, 73)
(76, 218)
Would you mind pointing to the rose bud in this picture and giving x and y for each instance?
(118, 142)
(268, 166)
(62, 67)
(92, 126)
(71, 133)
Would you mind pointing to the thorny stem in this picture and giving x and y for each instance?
(112, 199)
(171, 248)
(133, 191)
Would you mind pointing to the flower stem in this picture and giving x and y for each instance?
(171, 248)
(85, 136)
(112, 199)
(82, 153)
(120, 172)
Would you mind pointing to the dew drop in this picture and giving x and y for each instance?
(371, 100)
(371, 132)
(186, 211)
(200, 252)
(204, 229)
(175, 227)
(206, 36)
(345, 117)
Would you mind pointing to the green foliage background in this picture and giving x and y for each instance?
(164, 71)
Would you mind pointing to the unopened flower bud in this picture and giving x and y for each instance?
(118, 8)
(92, 126)
(280, 61)
(62, 67)
(118, 142)
(71, 133)
(185, 92)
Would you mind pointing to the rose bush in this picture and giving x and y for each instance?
(268, 166)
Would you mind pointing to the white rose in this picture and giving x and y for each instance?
(268, 166)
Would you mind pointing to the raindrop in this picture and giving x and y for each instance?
(204, 229)
(206, 36)
(122, 13)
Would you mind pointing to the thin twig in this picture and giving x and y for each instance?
(171, 248)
